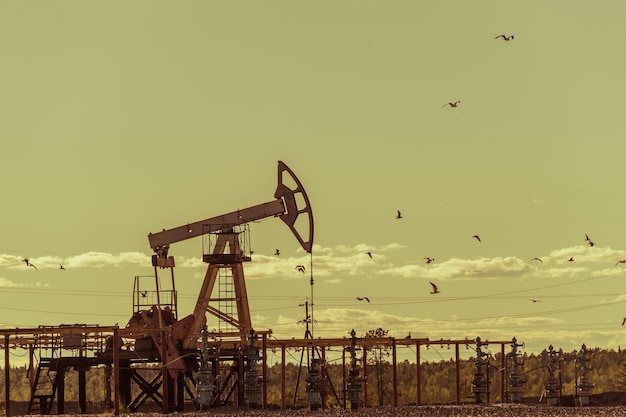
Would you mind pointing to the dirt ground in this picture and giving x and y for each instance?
(601, 405)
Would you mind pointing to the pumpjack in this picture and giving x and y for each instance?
(225, 251)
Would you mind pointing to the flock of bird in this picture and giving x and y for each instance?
(429, 260)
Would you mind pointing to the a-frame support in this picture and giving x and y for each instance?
(227, 254)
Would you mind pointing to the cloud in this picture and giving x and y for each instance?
(586, 253)
(102, 259)
(7, 283)
(10, 260)
(335, 264)
(90, 259)
(452, 269)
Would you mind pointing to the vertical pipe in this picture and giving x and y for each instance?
(7, 382)
(418, 395)
(458, 374)
(264, 372)
(60, 378)
(116, 371)
(108, 402)
(394, 360)
(343, 374)
(365, 403)
(502, 374)
(82, 390)
(282, 377)
(324, 375)
(31, 365)
(174, 299)
(158, 295)
(164, 374)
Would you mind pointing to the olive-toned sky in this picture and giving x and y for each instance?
(118, 119)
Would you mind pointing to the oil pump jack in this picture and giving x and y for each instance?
(225, 254)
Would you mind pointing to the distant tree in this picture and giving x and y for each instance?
(379, 352)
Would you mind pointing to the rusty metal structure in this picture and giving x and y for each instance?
(223, 295)
(226, 366)
(480, 381)
(553, 384)
(111, 351)
(583, 383)
(516, 381)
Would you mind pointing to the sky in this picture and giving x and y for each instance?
(119, 119)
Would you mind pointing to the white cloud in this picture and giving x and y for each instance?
(10, 260)
(483, 268)
(102, 259)
(90, 259)
(586, 253)
(7, 283)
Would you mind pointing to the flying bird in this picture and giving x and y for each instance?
(61, 267)
(369, 254)
(624, 321)
(300, 268)
(571, 259)
(277, 253)
(363, 298)
(506, 38)
(537, 259)
(28, 263)
(477, 238)
(398, 215)
(429, 260)
(622, 261)
(589, 241)
(535, 301)
(452, 104)
(143, 293)
(435, 289)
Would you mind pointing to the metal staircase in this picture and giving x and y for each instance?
(43, 388)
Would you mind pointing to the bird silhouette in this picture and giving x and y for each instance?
(61, 267)
(506, 38)
(535, 301)
(435, 289)
(589, 241)
(277, 253)
(429, 260)
(398, 215)
(477, 238)
(571, 259)
(369, 254)
(621, 261)
(624, 321)
(29, 263)
(452, 104)
(143, 293)
(300, 268)
(408, 336)
(363, 298)
(537, 259)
